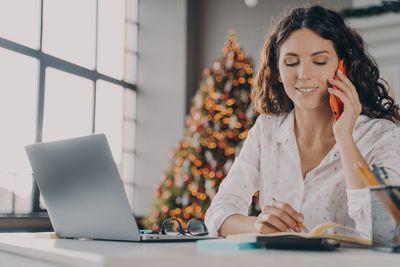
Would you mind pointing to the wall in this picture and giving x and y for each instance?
(161, 92)
(382, 35)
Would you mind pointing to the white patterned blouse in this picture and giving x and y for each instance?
(269, 162)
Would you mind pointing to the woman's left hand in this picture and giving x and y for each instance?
(347, 93)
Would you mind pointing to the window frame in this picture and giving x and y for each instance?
(45, 60)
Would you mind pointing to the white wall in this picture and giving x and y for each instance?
(161, 92)
(382, 36)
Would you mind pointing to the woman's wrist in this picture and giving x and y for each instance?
(344, 140)
(350, 157)
(238, 224)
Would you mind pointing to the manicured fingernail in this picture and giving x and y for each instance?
(339, 71)
(300, 219)
(330, 90)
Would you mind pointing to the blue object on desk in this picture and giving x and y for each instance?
(224, 244)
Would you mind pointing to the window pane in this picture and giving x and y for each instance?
(130, 104)
(41, 203)
(131, 37)
(20, 21)
(130, 67)
(129, 191)
(129, 135)
(128, 167)
(109, 115)
(23, 193)
(127, 170)
(128, 155)
(18, 99)
(6, 192)
(132, 10)
(69, 30)
(68, 106)
(111, 29)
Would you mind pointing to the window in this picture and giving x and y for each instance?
(68, 105)
(18, 99)
(73, 40)
(63, 78)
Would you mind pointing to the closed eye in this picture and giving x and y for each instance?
(292, 64)
(320, 63)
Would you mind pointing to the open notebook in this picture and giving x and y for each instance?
(334, 231)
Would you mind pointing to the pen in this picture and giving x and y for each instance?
(300, 225)
(368, 177)
(303, 228)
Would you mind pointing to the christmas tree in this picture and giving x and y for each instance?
(219, 120)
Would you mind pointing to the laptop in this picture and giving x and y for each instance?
(83, 192)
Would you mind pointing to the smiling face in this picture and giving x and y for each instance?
(306, 61)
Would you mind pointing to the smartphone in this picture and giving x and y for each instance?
(335, 103)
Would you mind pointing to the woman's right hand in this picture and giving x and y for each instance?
(278, 217)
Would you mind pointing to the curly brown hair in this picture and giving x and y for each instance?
(268, 94)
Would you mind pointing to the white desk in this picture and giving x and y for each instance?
(28, 249)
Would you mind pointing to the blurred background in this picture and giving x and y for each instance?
(129, 69)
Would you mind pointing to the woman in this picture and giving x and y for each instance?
(297, 154)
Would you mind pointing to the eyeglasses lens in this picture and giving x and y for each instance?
(171, 227)
(196, 227)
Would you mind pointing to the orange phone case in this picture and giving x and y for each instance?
(335, 103)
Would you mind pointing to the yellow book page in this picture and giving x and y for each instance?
(341, 233)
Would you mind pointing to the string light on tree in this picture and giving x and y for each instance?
(218, 122)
